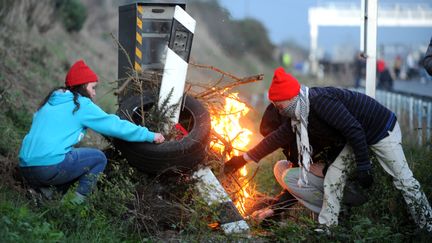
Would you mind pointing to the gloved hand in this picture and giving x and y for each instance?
(365, 178)
(234, 164)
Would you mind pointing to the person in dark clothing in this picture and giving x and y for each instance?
(427, 61)
(397, 66)
(361, 121)
(359, 69)
(385, 80)
(326, 151)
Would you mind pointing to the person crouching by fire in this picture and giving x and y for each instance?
(330, 113)
(327, 147)
(48, 157)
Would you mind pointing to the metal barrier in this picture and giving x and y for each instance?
(414, 114)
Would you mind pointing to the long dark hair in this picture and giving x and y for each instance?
(76, 91)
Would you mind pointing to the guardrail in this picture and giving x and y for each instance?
(414, 114)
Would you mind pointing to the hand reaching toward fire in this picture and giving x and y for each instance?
(159, 138)
(236, 163)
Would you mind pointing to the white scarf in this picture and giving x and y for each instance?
(299, 126)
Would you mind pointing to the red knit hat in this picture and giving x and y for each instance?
(80, 73)
(284, 86)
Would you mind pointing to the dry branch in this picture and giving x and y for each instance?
(243, 81)
(215, 69)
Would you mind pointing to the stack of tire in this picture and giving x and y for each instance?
(183, 154)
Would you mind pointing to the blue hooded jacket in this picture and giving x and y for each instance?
(55, 129)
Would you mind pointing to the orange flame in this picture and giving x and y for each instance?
(228, 126)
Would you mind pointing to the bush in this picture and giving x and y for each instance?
(240, 37)
(5, 8)
(254, 38)
(72, 13)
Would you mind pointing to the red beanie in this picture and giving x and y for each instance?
(284, 86)
(80, 73)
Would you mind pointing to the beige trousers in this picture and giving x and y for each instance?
(391, 157)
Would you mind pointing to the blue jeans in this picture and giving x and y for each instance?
(81, 164)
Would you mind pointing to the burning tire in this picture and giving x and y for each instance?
(183, 154)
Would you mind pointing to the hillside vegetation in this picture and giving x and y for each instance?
(40, 39)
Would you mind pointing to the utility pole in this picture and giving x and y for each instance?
(368, 42)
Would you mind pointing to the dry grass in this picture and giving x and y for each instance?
(27, 14)
(162, 206)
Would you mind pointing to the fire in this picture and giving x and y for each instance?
(235, 140)
(243, 171)
(242, 194)
(227, 125)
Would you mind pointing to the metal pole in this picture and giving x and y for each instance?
(429, 123)
(363, 26)
(371, 18)
(411, 113)
(399, 105)
(389, 100)
(313, 47)
(420, 122)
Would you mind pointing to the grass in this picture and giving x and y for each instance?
(127, 207)
(265, 179)
(18, 223)
(383, 218)
(55, 221)
(132, 207)
(14, 122)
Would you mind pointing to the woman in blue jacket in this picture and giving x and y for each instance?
(48, 157)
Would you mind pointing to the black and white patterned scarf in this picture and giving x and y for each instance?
(298, 111)
(300, 126)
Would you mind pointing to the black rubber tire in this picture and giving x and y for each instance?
(183, 154)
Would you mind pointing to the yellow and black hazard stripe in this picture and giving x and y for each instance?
(138, 43)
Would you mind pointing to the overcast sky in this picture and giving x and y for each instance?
(288, 20)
